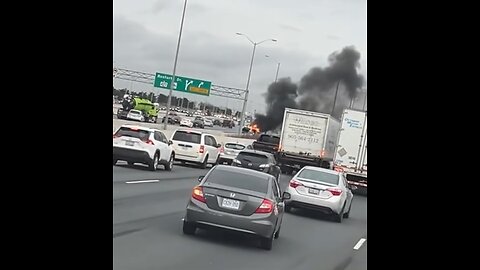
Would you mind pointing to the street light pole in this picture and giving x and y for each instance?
(242, 121)
(244, 108)
(335, 98)
(278, 68)
(174, 68)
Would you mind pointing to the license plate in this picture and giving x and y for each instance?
(229, 203)
(129, 143)
(313, 191)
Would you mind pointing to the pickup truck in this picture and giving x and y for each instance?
(267, 143)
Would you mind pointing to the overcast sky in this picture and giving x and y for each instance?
(146, 33)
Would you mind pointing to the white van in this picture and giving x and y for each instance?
(195, 146)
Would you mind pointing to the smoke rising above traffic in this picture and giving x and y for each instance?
(316, 90)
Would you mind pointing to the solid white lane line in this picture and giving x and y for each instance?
(142, 181)
(359, 243)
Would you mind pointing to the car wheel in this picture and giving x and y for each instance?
(277, 234)
(339, 216)
(169, 165)
(205, 162)
(189, 228)
(347, 215)
(266, 243)
(115, 161)
(218, 160)
(154, 163)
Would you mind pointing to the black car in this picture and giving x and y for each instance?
(228, 123)
(217, 122)
(259, 161)
(198, 122)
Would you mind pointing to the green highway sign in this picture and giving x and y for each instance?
(182, 84)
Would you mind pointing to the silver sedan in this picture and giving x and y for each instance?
(320, 189)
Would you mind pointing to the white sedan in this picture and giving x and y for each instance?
(186, 123)
(135, 115)
(320, 189)
(208, 123)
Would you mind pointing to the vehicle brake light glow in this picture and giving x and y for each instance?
(293, 183)
(335, 191)
(150, 142)
(197, 194)
(265, 207)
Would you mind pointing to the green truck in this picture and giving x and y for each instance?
(148, 109)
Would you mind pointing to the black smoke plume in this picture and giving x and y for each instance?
(280, 95)
(316, 90)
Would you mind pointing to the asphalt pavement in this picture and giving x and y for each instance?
(149, 206)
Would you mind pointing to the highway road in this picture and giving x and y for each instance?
(147, 230)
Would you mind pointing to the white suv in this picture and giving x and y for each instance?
(195, 146)
(136, 144)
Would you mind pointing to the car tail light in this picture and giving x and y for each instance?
(149, 142)
(322, 153)
(197, 194)
(295, 184)
(222, 149)
(202, 149)
(335, 191)
(265, 207)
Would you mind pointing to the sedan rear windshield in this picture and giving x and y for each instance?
(186, 136)
(318, 176)
(234, 146)
(132, 132)
(269, 139)
(252, 158)
(238, 180)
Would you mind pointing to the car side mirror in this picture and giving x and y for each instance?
(352, 187)
(200, 178)
(219, 145)
(286, 196)
(170, 142)
(249, 146)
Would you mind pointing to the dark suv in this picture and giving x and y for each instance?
(198, 122)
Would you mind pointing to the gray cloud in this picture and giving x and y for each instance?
(333, 37)
(159, 6)
(290, 28)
